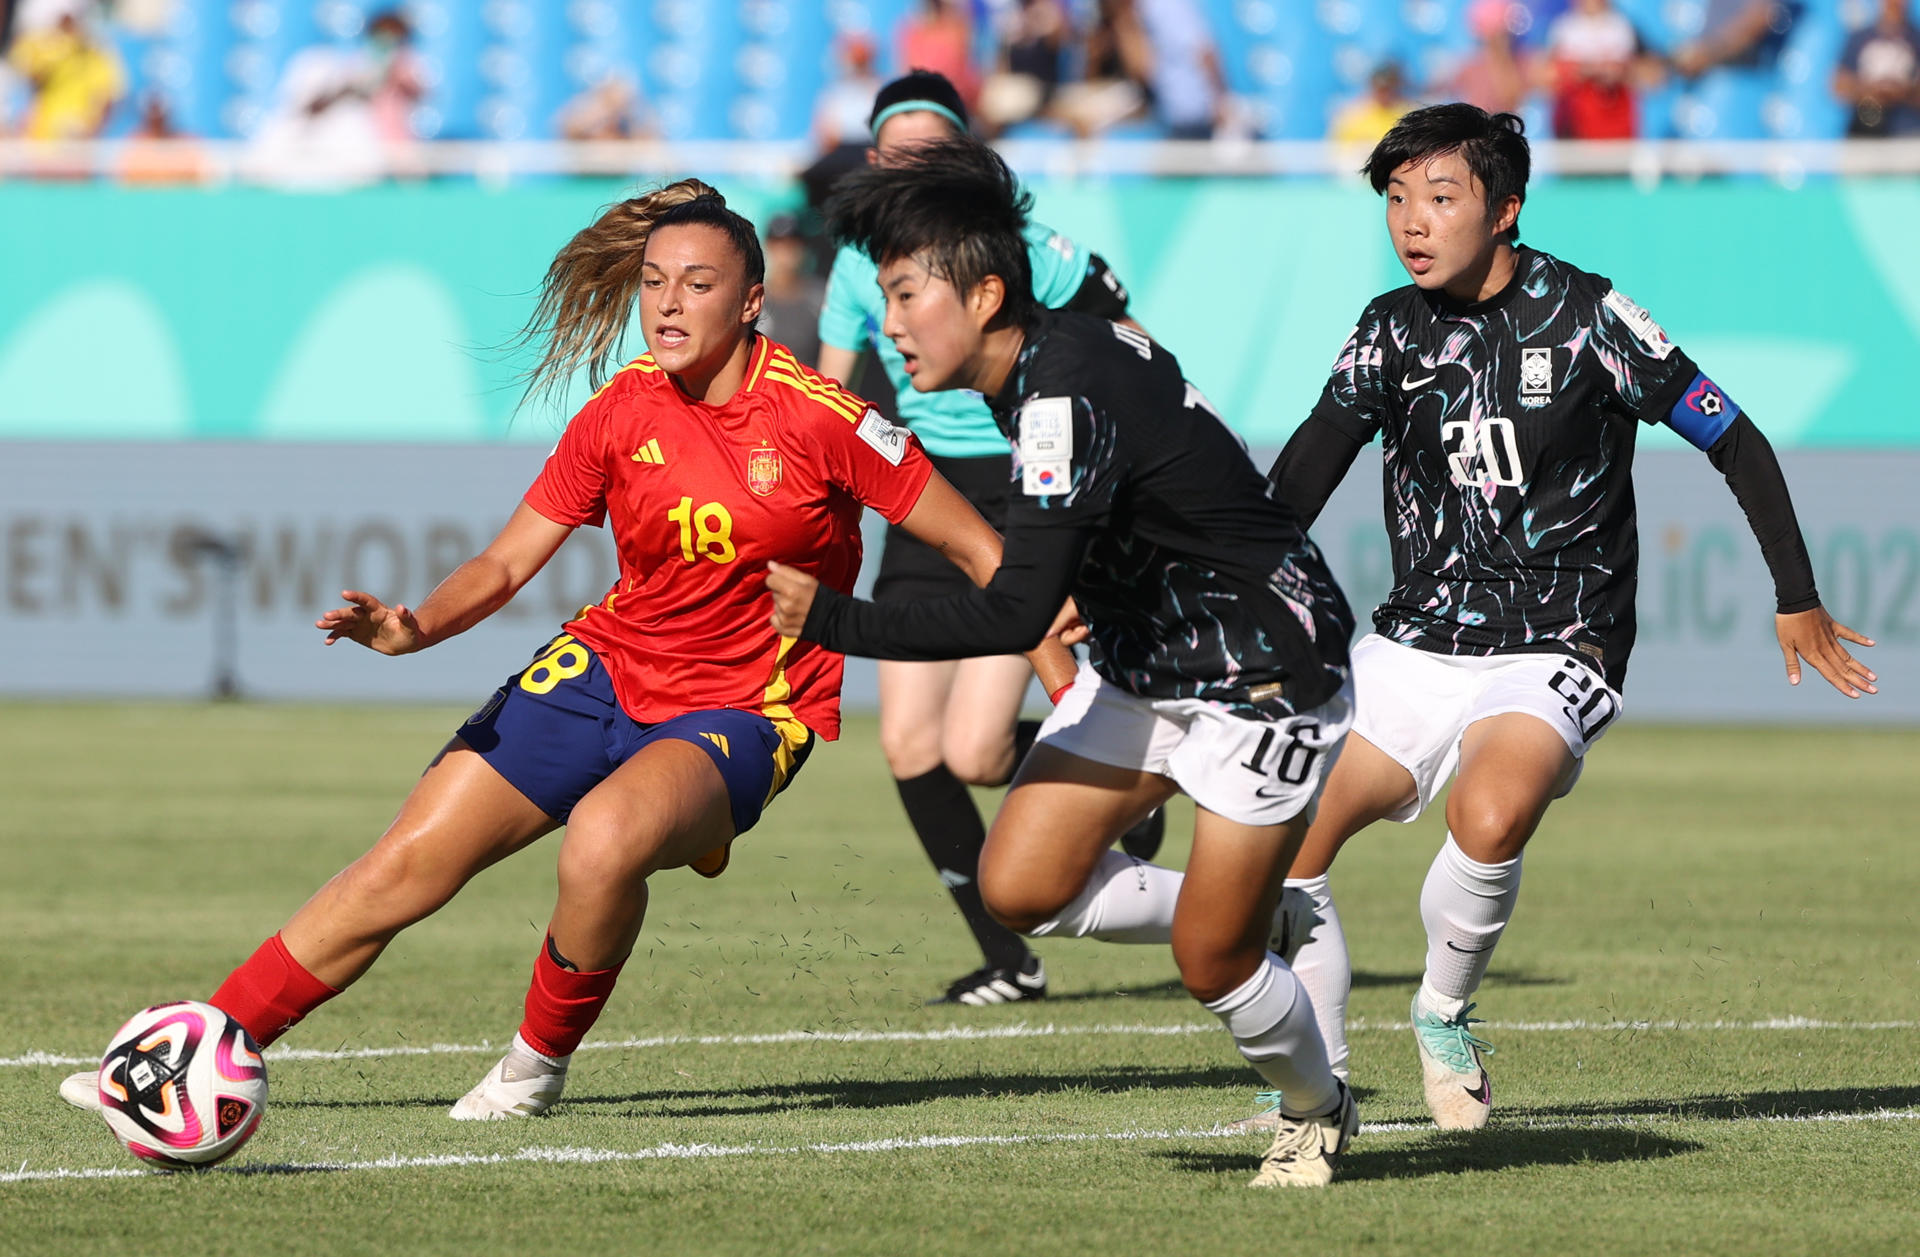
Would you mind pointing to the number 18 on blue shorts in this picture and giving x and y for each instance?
(555, 731)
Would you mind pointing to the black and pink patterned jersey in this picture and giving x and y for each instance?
(1197, 582)
(1508, 427)
(1130, 495)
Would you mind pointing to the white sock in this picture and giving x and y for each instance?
(1324, 971)
(554, 1064)
(1466, 905)
(1271, 1020)
(1125, 901)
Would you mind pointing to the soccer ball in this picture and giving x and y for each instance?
(182, 1085)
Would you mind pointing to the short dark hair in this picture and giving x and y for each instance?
(953, 204)
(1493, 145)
(927, 85)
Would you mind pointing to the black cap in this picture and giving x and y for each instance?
(916, 85)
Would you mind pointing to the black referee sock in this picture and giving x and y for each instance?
(948, 825)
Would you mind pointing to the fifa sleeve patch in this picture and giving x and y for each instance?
(1045, 447)
(888, 440)
(1703, 413)
(1640, 323)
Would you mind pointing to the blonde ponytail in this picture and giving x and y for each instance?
(587, 296)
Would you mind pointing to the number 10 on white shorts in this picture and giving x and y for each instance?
(1256, 772)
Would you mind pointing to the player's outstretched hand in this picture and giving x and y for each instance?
(792, 592)
(1067, 627)
(372, 623)
(1815, 636)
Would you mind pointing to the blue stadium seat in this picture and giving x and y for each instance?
(786, 56)
(1805, 107)
(134, 54)
(881, 19)
(449, 39)
(752, 69)
(689, 67)
(1658, 118)
(619, 38)
(1728, 104)
(1379, 35)
(187, 63)
(523, 82)
(1037, 129)
(1656, 21)
(1298, 83)
(1241, 29)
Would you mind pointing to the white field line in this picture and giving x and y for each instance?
(689, 1152)
(963, 1034)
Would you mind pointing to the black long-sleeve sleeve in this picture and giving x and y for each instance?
(1744, 456)
(1008, 615)
(1312, 466)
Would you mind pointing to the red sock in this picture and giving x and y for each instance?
(562, 1004)
(271, 992)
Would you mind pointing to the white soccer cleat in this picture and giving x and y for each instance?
(1306, 1150)
(1293, 923)
(82, 1090)
(1459, 1093)
(521, 1084)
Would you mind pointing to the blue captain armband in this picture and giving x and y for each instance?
(1703, 413)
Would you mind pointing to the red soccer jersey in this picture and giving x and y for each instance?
(700, 498)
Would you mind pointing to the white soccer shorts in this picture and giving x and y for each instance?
(1255, 772)
(1417, 704)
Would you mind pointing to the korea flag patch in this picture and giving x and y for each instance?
(1046, 446)
(1640, 323)
(889, 440)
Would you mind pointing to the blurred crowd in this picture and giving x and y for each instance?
(338, 90)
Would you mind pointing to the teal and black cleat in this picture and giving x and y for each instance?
(1459, 1093)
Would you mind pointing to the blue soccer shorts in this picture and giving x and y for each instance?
(555, 731)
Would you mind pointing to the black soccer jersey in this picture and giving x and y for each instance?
(1508, 427)
(1129, 492)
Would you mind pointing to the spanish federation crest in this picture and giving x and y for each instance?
(763, 470)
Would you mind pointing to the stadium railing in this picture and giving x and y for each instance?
(212, 161)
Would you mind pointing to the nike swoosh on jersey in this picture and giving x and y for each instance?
(1408, 383)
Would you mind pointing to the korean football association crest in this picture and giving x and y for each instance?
(1536, 377)
(1536, 370)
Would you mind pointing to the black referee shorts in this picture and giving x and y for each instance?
(909, 568)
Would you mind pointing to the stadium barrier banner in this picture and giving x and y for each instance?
(242, 313)
(153, 569)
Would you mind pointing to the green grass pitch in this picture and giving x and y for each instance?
(1707, 1015)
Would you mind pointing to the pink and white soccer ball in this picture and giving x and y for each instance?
(183, 1085)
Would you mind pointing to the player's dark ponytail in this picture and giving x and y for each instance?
(587, 296)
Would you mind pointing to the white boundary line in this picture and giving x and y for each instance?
(964, 1034)
(688, 1152)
